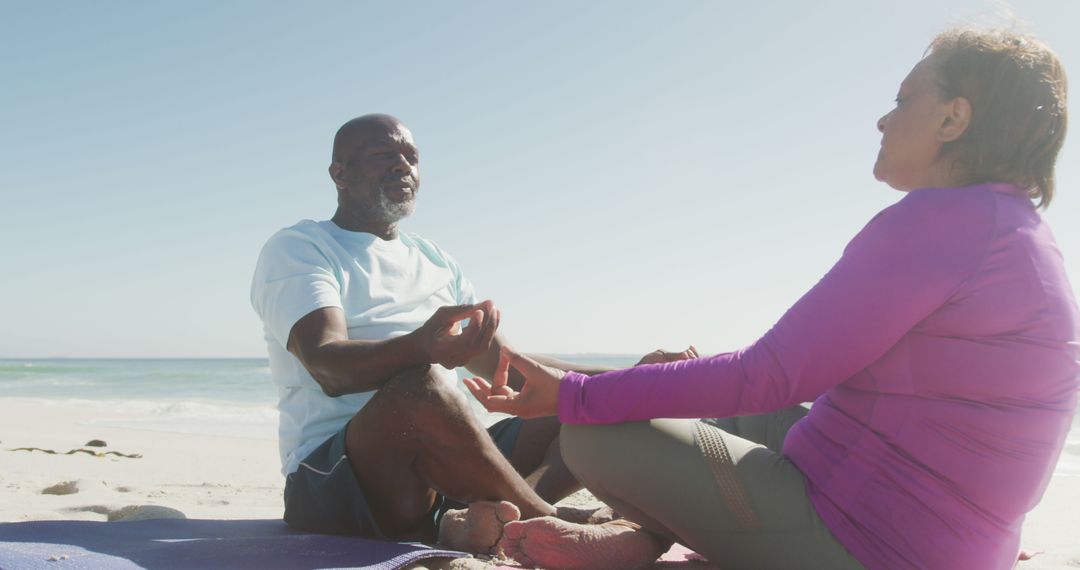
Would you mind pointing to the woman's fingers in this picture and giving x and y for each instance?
(494, 399)
(527, 366)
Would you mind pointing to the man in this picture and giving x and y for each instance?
(364, 326)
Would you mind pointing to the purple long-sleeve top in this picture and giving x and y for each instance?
(941, 355)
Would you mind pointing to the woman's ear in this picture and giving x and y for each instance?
(956, 121)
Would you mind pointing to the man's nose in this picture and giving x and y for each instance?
(881, 122)
(401, 165)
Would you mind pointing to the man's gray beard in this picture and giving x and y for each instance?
(387, 211)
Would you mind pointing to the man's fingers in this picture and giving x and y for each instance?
(493, 321)
(448, 315)
(502, 369)
(452, 311)
(476, 323)
(487, 335)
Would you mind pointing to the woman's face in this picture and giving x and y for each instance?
(910, 133)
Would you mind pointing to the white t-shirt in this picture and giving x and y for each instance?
(386, 288)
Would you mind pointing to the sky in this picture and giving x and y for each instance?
(617, 176)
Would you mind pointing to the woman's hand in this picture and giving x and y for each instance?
(539, 395)
(660, 356)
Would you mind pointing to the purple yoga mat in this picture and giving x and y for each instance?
(173, 544)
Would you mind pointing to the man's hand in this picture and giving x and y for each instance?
(539, 396)
(442, 340)
(660, 356)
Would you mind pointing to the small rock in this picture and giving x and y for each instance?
(96, 443)
(145, 512)
(72, 487)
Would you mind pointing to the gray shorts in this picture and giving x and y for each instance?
(323, 494)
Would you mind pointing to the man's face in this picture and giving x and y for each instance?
(381, 175)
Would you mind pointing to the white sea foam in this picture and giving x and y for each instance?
(250, 430)
(178, 416)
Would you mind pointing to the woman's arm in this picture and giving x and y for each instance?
(909, 261)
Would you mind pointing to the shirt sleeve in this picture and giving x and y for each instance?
(464, 293)
(293, 277)
(905, 264)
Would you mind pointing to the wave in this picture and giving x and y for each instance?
(176, 409)
(254, 421)
(13, 384)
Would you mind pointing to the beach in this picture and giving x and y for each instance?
(198, 458)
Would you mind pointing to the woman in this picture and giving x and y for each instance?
(940, 353)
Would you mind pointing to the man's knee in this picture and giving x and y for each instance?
(424, 390)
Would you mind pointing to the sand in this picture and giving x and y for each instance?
(213, 477)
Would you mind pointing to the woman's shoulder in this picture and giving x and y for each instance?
(943, 212)
(973, 202)
(948, 223)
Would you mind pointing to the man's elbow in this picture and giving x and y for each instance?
(327, 376)
(331, 382)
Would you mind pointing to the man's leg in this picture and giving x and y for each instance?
(417, 437)
(536, 456)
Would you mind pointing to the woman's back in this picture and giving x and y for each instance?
(953, 432)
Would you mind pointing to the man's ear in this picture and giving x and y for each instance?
(336, 170)
(957, 119)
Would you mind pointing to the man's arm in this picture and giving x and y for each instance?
(341, 366)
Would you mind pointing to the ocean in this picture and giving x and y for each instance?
(232, 397)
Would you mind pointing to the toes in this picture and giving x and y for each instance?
(514, 530)
(511, 548)
(506, 512)
(453, 530)
(455, 515)
(602, 515)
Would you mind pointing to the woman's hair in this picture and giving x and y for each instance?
(1017, 89)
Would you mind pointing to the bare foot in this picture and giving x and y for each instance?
(478, 528)
(553, 543)
(586, 515)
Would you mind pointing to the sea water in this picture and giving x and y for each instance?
(229, 397)
(232, 397)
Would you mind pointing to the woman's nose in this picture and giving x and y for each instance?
(881, 122)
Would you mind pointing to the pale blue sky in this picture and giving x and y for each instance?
(617, 176)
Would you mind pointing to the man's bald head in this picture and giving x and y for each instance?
(363, 130)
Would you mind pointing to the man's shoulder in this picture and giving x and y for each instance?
(427, 246)
(310, 228)
(304, 231)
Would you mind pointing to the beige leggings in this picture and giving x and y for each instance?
(720, 487)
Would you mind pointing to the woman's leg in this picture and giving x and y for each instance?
(736, 502)
(769, 430)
